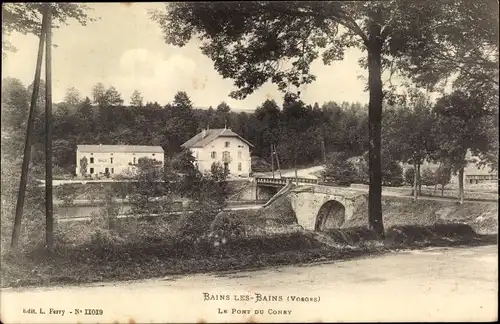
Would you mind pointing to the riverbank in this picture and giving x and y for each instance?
(136, 248)
(139, 255)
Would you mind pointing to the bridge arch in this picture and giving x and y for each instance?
(332, 214)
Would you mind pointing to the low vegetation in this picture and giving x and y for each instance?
(144, 247)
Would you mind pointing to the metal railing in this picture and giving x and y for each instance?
(283, 181)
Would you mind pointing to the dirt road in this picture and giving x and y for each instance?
(458, 284)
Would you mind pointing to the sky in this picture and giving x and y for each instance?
(124, 48)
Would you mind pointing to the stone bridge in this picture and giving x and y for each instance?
(320, 207)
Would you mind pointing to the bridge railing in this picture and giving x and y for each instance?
(283, 181)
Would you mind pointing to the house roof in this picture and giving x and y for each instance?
(211, 134)
(120, 148)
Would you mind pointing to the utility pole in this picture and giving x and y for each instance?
(27, 144)
(272, 159)
(323, 150)
(49, 217)
(277, 159)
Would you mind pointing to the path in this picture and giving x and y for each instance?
(440, 284)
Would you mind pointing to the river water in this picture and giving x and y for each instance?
(87, 211)
(84, 211)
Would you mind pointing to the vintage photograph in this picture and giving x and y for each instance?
(249, 161)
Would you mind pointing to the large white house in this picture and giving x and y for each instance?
(224, 146)
(114, 159)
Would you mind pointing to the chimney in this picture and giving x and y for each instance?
(203, 133)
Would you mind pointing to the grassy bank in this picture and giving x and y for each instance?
(481, 216)
(127, 255)
(151, 247)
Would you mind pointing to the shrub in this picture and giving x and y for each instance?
(67, 193)
(195, 225)
(103, 237)
(353, 235)
(392, 173)
(428, 177)
(409, 175)
(442, 177)
(439, 232)
(227, 225)
(339, 169)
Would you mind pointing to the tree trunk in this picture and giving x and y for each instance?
(49, 217)
(374, 128)
(461, 185)
(415, 182)
(442, 190)
(419, 181)
(295, 167)
(16, 230)
(272, 159)
(323, 149)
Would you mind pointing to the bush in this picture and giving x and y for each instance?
(228, 226)
(192, 226)
(392, 173)
(439, 232)
(353, 235)
(442, 177)
(428, 177)
(66, 192)
(339, 169)
(409, 176)
(103, 237)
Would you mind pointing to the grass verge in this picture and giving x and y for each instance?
(150, 257)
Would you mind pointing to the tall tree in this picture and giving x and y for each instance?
(15, 105)
(99, 94)
(180, 124)
(268, 114)
(84, 117)
(136, 99)
(223, 111)
(113, 97)
(72, 97)
(462, 126)
(413, 122)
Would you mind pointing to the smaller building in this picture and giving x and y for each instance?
(223, 146)
(110, 160)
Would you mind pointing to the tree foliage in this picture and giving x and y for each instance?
(136, 99)
(463, 125)
(340, 170)
(26, 18)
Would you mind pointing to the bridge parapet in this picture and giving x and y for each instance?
(311, 202)
(285, 180)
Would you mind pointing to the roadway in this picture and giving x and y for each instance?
(435, 284)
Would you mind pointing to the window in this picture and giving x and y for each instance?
(226, 156)
(239, 154)
(213, 155)
(91, 170)
(111, 159)
(91, 160)
(239, 166)
(153, 154)
(134, 161)
(226, 144)
(112, 170)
